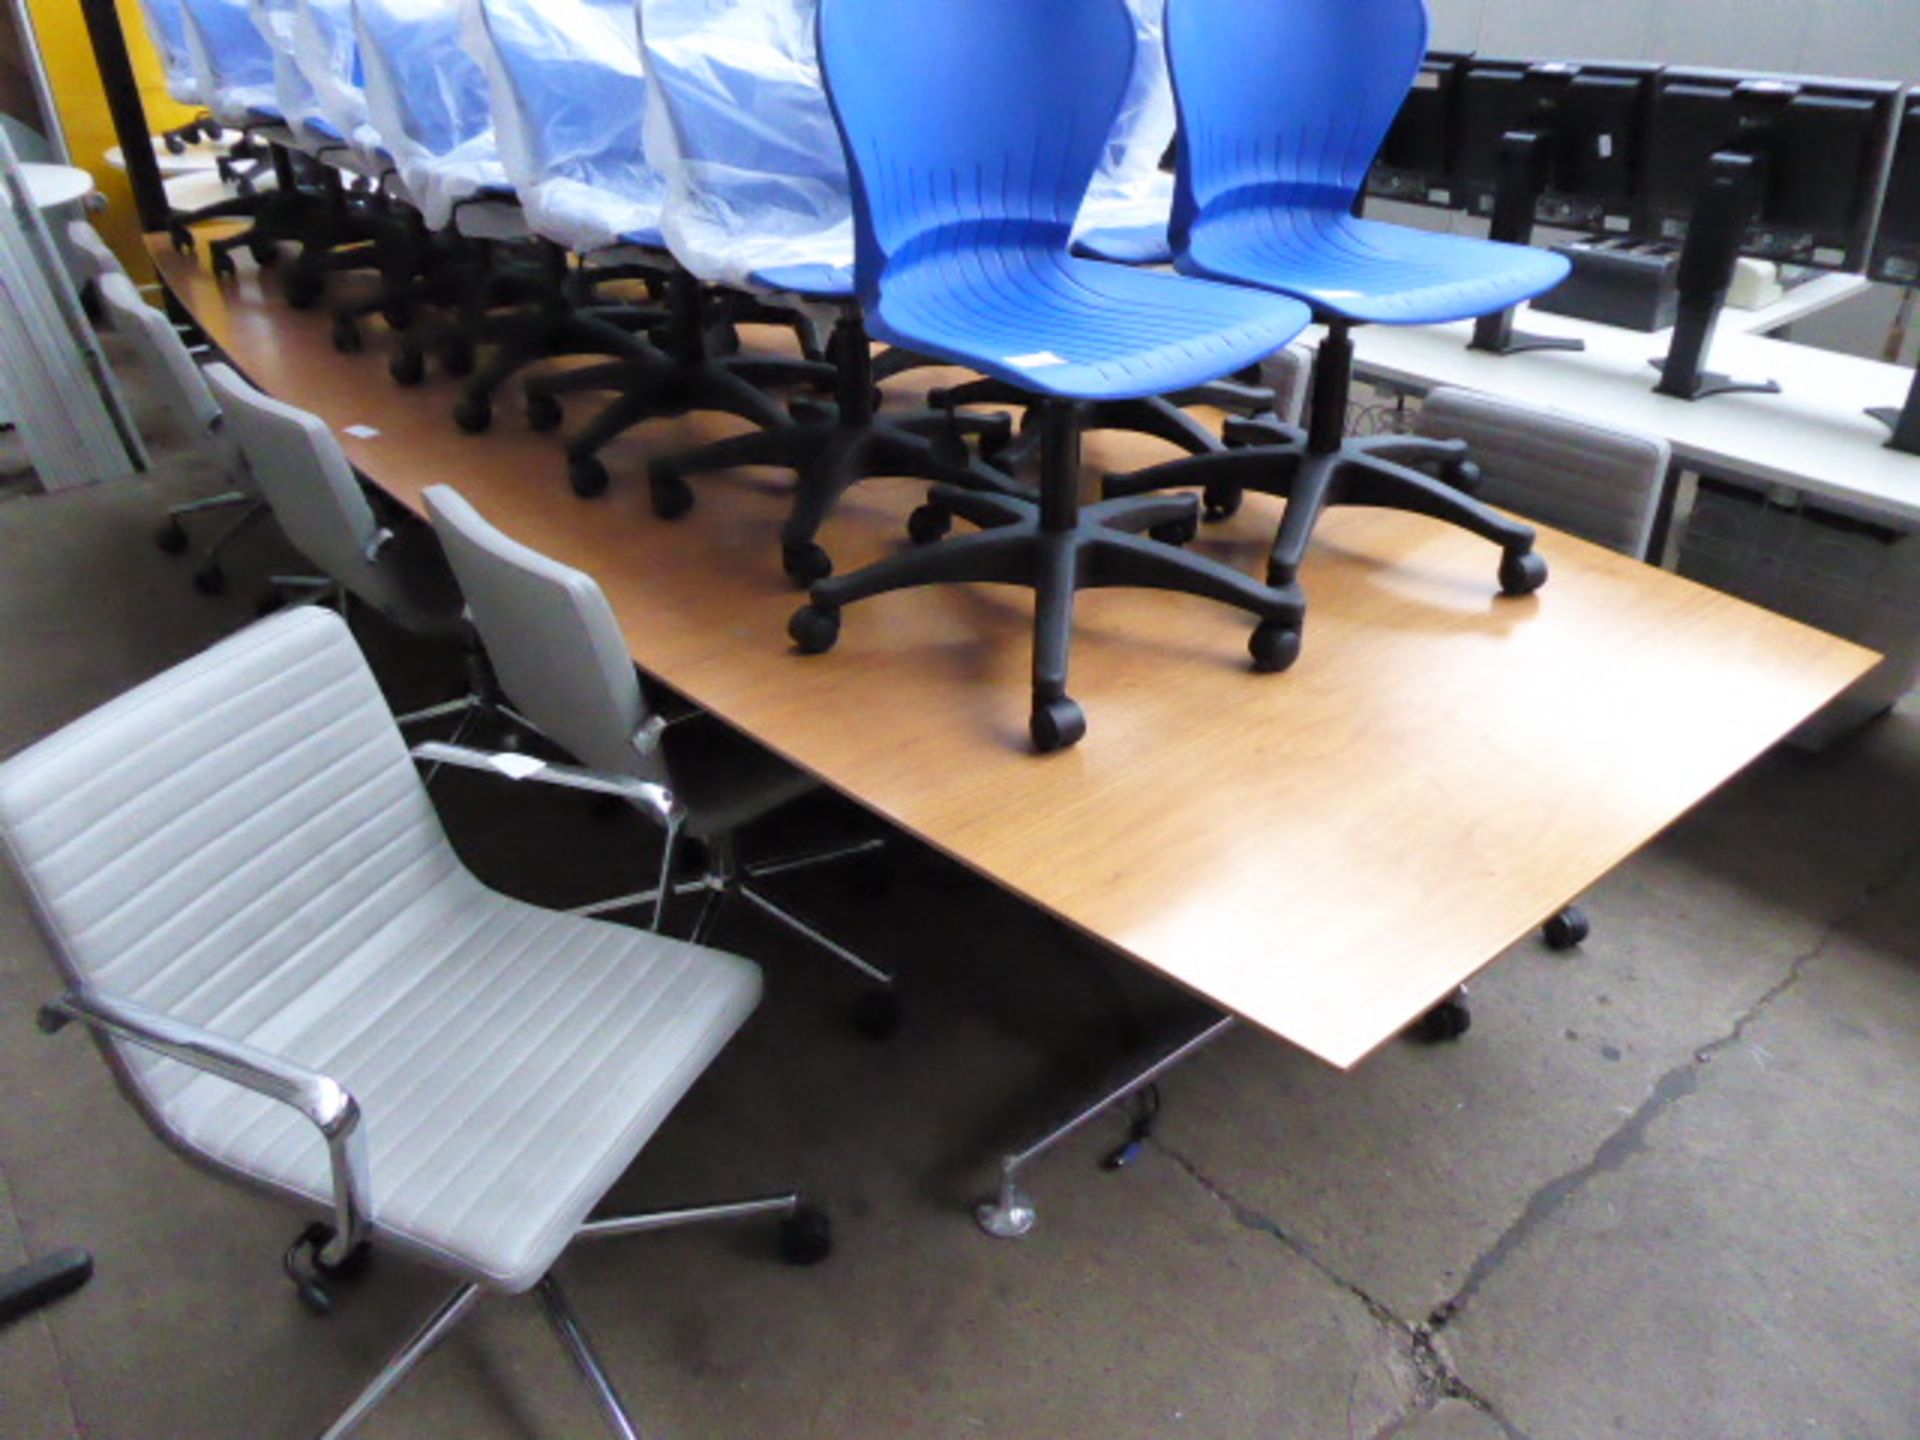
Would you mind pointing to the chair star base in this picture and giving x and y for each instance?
(1056, 549)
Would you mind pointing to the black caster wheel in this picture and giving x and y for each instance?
(223, 266)
(457, 358)
(544, 413)
(805, 564)
(1567, 930)
(1220, 502)
(588, 477)
(176, 144)
(473, 414)
(1056, 725)
(301, 288)
(814, 629)
(264, 252)
(806, 1236)
(928, 523)
(876, 1014)
(408, 366)
(397, 313)
(210, 580)
(1274, 646)
(213, 130)
(1176, 532)
(1462, 475)
(171, 538)
(672, 497)
(244, 188)
(1522, 573)
(346, 336)
(1445, 1022)
(182, 238)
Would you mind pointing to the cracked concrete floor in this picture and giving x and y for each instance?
(1666, 1187)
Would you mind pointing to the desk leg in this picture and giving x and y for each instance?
(1011, 1214)
(1663, 515)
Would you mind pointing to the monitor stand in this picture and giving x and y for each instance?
(1707, 263)
(1904, 423)
(1523, 170)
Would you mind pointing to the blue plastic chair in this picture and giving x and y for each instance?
(970, 158)
(1282, 109)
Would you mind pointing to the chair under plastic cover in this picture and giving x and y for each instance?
(167, 28)
(427, 99)
(1284, 108)
(327, 51)
(299, 107)
(1130, 201)
(232, 62)
(569, 107)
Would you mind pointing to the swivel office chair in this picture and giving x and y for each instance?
(181, 389)
(1282, 109)
(167, 30)
(593, 188)
(565, 666)
(929, 100)
(760, 199)
(300, 986)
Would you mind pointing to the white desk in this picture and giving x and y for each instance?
(1814, 437)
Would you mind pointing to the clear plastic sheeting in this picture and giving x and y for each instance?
(1130, 193)
(299, 107)
(427, 98)
(167, 28)
(328, 54)
(232, 63)
(569, 109)
(738, 122)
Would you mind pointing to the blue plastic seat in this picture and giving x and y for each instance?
(972, 133)
(1283, 108)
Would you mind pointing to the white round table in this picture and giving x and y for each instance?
(204, 156)
(52, 186)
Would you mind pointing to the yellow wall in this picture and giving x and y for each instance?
(68, 55)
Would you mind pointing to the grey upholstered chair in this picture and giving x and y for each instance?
(180, 390)
(300, 986)
(559, 655)
(1602, 485)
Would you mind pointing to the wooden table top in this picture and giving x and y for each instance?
(1326, 852)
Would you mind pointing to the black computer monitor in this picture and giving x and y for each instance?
(1896, 253)
(1787, 168)
(1416, 162)
(1558, 141)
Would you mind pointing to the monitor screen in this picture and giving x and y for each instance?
(1822, 148)
(1592, 118)
(1416, 161)
(1896, 252)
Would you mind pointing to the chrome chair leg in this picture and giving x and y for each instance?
(438, 1326)
(579, 1349)
(787, 864)
(800, 927)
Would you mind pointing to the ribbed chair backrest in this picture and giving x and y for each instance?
(1284, 103)
(94, 258)
(971, 124)
(232, 62)
(1602, 485)
(552, 638)
(210, 843)
(299, 468)
(180, 384)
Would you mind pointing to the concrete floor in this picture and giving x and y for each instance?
(1667, 1187)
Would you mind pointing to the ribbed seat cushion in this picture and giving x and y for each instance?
(243, 843)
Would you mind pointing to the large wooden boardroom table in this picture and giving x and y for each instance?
(1323, 854)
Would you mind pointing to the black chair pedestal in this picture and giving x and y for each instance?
(1055, 548)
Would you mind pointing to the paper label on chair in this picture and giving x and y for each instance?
(360, 432)
(1038, 360)
(1335, 294)
(516, 767)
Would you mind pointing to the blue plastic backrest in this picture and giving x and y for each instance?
(442, 88)
(168, 30)
(236, 50)
(575, 103)
(959, 118)
(1285, 103)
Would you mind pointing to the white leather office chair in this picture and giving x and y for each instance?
(299, 985)
(560, 657)
(180, 390)
(1602, 485)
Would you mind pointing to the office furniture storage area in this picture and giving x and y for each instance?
(1348, 716)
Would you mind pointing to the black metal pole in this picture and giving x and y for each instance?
(129, 115)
